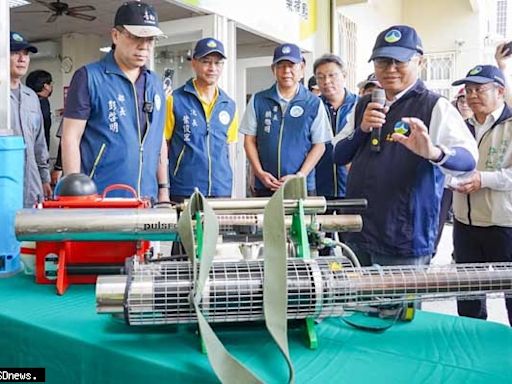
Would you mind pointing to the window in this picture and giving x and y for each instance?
(347, 34)
(437, 72)
(501, 17)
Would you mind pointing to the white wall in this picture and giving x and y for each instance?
(371, 18)
(457, 28)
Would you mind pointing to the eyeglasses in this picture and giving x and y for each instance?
(211, 63)
(329, 76)
(385, 62)
(137, 39)
(478, 89)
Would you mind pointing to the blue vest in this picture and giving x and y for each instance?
(198, 151)
(403, 189)
(113, 148)
(331, 178)
(284, 138)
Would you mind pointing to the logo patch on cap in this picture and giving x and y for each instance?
(286, 49)
(393, 36)
(211, 44)
(17, 37)
(475, 70)
(401, 127)
(149, 17)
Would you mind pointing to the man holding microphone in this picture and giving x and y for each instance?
(417, 137)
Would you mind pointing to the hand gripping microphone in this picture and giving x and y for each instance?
(378, 96)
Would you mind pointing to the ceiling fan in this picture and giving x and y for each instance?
(58, 8)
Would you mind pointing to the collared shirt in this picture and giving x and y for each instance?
(480, 129)
(208, 109)
(319, 134)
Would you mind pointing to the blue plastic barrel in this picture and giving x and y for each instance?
(12, 163)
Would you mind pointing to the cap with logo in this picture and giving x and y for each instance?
(206, 46)
(399, 42)
(483, 74)
(289, 52)
(140, 19)
(19, 43)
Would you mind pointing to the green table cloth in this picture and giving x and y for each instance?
(65, 335)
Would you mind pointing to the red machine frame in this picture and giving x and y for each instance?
(86, 252)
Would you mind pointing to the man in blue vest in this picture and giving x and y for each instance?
(114, 113)
(201, 122)
(330, 75)
(399, 153)
(285, 127)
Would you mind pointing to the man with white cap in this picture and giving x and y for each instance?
(104, 136)
(201, 122)
(400, 149)
(285, 127)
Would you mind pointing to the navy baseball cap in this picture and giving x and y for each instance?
(289, 52)
(19, 43)
(206, 46)
(140, 19)
(483, 74)
(399, 42)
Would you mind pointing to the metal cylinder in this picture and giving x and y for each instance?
(140, 224)
(160, 293)
(96, 224)
(315, 204)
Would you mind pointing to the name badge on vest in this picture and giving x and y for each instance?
(296, 111)
(224, 117)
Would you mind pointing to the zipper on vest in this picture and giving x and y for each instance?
(141, 148)
(209, 157)
(178, 162)
(280, 140)
(335, 178)
(97, 160)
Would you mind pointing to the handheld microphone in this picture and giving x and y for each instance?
(378, 96)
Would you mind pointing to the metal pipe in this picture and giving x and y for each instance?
(83, 224)
(96, 224)
(159, 293)
(314, 204)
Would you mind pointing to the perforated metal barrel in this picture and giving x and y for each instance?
(160, 293)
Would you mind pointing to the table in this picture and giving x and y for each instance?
(75, 345)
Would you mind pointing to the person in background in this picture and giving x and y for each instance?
(27, 121)
(285, 127)
(368, 85)
(399, 152)
(313, 86)
(114, 113)
(482, 200)
(201, 123)
(338, 101)
(41, 83)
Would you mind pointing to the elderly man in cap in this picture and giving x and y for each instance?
(27, 121)
(399, 149)
(114, 113)
(201, 123)
(482, 201)
(285, 127)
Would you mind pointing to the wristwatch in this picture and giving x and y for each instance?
(163, 185)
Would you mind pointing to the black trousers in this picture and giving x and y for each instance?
(474, 244)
